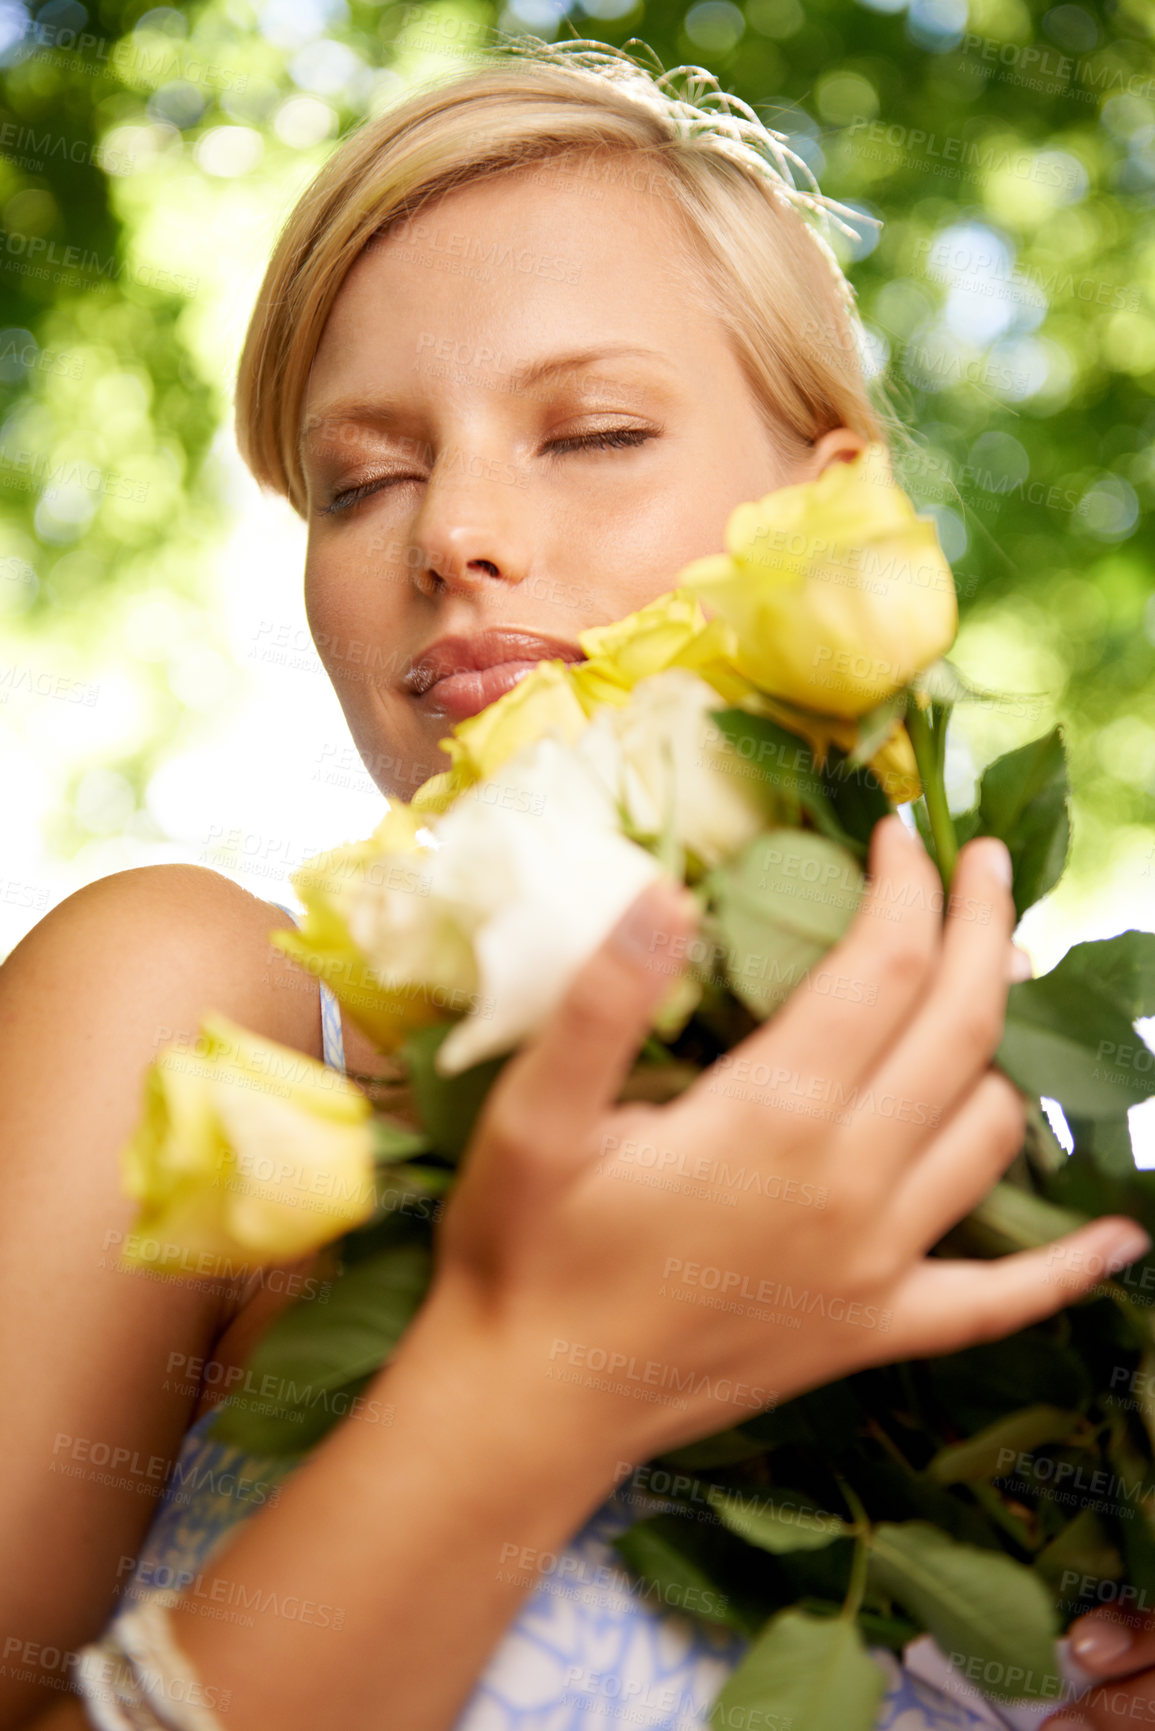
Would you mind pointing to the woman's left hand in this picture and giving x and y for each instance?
(1120, 1653)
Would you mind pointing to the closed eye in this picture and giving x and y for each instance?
(351, 495)
(611, 439)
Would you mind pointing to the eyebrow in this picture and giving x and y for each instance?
(381, 411)
(579, 358)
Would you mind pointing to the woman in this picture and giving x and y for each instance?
(523, 346)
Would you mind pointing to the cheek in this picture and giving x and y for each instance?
(349, 601)
(343, 630)
(643, 541)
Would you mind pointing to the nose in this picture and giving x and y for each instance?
(472, 529)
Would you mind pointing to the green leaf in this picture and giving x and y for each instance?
(397, 1142)
(1121, 969)
(789, 1523)
(779, 906)
(876, 727)
(1083, 1548)
(943, 683)
(446, 1105)
(670, 1575)
(1107, 1141)
(313, 1350)
(1014, 1219)
(856, 797)
(981, 1456)
(1023, 800)
(786, 764)
(824, 1419)
(1069, 1035)
(981, 1384)
(810, 1673)
(723, 1450)
(975, 1603)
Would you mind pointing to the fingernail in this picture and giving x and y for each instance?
(1098, 1642)
(896, 830)
(1019, 967)
(997, 858)
(1131, 1243)
(644, 928)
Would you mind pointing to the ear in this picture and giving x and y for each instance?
(840, 445)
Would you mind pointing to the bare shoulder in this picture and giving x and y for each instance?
(87, 999)
(177, 938)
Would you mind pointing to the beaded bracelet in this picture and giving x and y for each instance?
(135, 1678)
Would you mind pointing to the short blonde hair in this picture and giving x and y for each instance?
(761, 260)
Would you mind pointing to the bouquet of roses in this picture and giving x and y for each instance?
(744, 732)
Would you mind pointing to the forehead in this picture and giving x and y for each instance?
(589, 253)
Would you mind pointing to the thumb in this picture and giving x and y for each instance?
(571, 1072)
(1113, 1643)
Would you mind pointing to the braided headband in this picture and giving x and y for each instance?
(691, 100)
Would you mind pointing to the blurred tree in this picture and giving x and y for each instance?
(1008, 297)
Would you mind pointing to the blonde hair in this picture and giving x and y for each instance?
(762, 263)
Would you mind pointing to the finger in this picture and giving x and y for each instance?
(554, 1091)
(1109, 1706)
(963, 1163)
(957, 1028)
(834, 1026)
(1020, 967)
(944, 1306)
(1113, 1643)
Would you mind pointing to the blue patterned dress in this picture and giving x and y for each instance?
(586, 1652)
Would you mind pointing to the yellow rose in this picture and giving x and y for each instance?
(893, 762)
(671, 773)
(836, 591)
(670, 632)
(894, 765)
(331, 886)
(543, 702)
(246, 1150)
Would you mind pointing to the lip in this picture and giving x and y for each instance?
(458, 676)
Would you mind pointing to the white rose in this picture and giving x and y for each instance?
(667, 765)
(526, 874)
(534, 869)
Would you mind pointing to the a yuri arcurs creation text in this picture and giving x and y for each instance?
(744, 733)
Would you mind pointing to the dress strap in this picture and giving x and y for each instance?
(332, 1039)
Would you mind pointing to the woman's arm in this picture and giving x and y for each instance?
(93, 1415)
(551, 1258)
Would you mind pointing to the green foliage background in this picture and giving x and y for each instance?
(150, 153)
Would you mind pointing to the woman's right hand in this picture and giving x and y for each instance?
(666, 1270)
